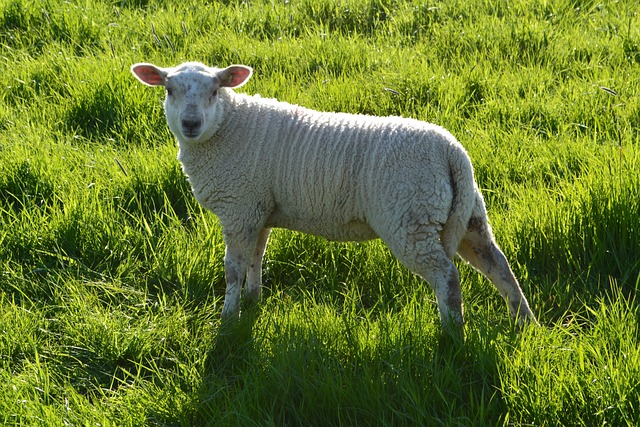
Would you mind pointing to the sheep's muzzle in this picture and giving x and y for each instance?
(190, 127)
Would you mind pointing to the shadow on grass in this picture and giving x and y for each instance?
(231, 355)
(302, 375)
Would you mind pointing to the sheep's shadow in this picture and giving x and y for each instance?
(438, 375)
(233, 342)
(228, 359)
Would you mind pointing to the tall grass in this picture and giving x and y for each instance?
(111, 275)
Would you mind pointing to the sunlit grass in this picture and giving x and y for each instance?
(111, 275)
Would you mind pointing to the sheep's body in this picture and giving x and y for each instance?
(320, 180)
(258, 163)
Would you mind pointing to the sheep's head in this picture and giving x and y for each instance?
(191, 101)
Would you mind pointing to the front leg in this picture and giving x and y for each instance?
(235, 268)
(238, 255)
(254, 271)
(246, 238)
(243, 260)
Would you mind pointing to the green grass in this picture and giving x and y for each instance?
(111, 275)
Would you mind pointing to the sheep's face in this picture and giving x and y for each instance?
(191, 104)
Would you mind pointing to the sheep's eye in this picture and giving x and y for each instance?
(169, 91)
(214, 93)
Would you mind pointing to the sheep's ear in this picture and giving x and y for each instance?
(234, 75)
(149, 74)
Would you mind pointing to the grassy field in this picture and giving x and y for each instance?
(111, 275)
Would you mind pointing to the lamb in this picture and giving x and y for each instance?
(259, 163)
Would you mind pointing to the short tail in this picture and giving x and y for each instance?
(464, 199)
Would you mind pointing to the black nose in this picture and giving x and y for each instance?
(190, 127)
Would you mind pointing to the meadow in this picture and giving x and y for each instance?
(111, 275)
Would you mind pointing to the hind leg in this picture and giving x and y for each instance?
(441, 274)
(422, 252)
(479, 248)
(445, 281)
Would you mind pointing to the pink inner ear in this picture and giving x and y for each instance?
(150, 75)
(237, 76)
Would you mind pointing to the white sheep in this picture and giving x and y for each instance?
(258, 163)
